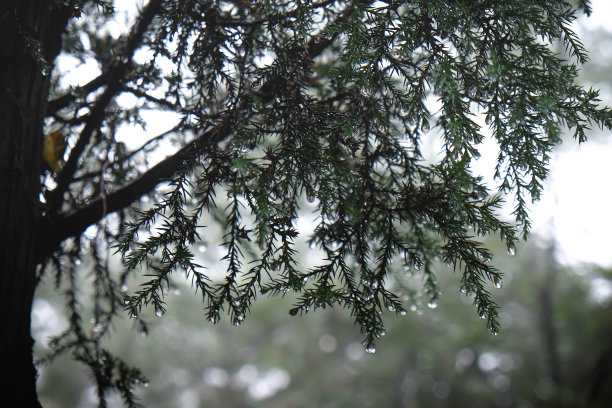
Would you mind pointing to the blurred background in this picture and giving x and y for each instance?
(554, 349)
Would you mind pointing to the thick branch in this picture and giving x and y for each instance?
(75, 222)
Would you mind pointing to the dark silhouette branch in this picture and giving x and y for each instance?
(75, 222)
(97, 114)
(65, 100)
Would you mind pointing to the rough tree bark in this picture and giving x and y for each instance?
(29, 30)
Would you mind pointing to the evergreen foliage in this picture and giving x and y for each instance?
(287, 107)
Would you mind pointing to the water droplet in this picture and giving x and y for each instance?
(143, 333)
(463, 289)
(97, 328)
(432, 304)
(391, 308)
(497, 282)
(159, 313)
(237, 322)
(213, 319)
(240, 316)
(425, 126)
(145, 384)
(126, 302)
(483, 315)
(511, 249)
(382, 333)
(236, 302)
(77, 262)
(202, 248)
(370, 350)
(310, 196)
(418, 265)
(402, 313)
(413, 308)
(305, 279)
(374, 285)
(124, 287)
(481, 233)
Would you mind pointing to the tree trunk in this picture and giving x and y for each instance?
(30, 31)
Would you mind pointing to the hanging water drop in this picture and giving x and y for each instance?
(497, 282)
(310, 196)
(145, 384)
(370, 350)
(240, 316)
(463, 289)
(97, 328)
(432, 304)
(425, 126)
(391, 308)
(511, 249)
(124, 287)
(402, 313)
(159, 313)
(374, 285)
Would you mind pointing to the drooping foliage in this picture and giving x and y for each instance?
(289, 107)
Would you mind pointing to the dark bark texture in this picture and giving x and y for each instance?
(30, 31)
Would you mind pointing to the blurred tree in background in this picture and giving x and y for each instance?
(288, 125)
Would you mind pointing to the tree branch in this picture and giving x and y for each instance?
(75, 222)
(97, 113)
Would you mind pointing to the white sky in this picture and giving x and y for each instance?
(577, 201)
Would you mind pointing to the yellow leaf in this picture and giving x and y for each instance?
(53, 150)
